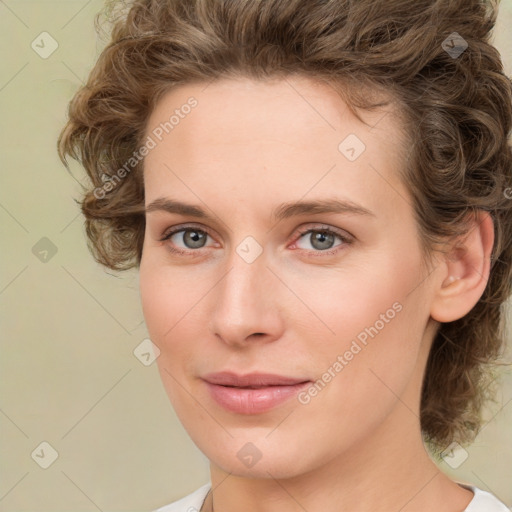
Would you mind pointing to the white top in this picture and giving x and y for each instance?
(483, 501)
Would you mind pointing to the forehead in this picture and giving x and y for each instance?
(297, 106)
(288, 137)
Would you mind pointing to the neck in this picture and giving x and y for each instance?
(378, 478)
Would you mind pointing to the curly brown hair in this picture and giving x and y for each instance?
(432, 57)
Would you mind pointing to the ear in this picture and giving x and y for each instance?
(464, 271)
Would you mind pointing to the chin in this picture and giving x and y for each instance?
(266, 467)
(250, 456)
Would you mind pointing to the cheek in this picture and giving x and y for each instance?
(172, 303)
(369, 326)
(163, 307)
(164, 295)
(342, 304)
(153, 300)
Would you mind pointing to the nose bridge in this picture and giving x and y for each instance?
(245, 298)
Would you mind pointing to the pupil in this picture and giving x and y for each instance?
(195, 236)
(322, 237)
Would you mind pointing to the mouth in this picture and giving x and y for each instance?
(254, 393)
(252, 380)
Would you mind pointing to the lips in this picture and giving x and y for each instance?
(254, 393)
(253, 380)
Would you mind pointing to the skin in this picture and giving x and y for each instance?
(247, 147)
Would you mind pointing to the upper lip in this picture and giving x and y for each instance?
(251, 379)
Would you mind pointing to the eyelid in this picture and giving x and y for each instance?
(168, 233)
(183, 227)
(344, 235)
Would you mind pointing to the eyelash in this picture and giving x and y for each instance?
(323, 229)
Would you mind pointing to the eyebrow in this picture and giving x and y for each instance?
(282, 211)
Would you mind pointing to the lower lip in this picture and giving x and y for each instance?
(253, 401)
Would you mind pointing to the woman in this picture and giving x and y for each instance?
(315, 193)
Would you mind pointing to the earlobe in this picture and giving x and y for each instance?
(464, 271)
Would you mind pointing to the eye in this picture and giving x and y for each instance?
(193, 238)
(322, 239)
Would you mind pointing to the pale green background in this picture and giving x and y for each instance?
(69, 375)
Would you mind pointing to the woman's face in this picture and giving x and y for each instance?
(259, 286)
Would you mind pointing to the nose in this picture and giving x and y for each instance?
(248, 304)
